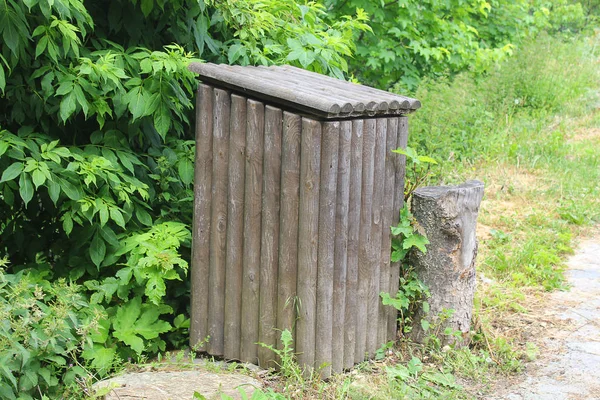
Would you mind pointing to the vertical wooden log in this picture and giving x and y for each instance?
(235, 228)
(288, 228)
(341, 246)
(400, 169)
(218, 223)
(201, 224)
(270, 235)
(252, 229)
(386, 223)
(308, 241)
(326, 252)
(354, 205)
(375, 248)
(365, 241)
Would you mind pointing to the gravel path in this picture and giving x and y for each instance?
(569, 366)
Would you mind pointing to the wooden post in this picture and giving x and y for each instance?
(400, 168)
(365, 250)
(386, 223)
(218, 222)
(325, 257)
(201, 225)
(354, 206)
(341, 246)
(288, 229)
(252, 230)
(235, 228)
(308, 241)
(267, 334)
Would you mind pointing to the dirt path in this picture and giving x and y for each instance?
(569, 363)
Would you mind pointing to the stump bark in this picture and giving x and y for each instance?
(447, 215)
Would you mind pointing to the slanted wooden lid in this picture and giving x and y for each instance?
(305, 91)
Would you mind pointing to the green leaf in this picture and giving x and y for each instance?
(425, 325)
(12, 171)
(72, 191)
(68, 106)
(186, 171)
(3, 145)
(415, 240)
(38, 178)
(97, 250)
(162, 120)
(143, 216)
(117, 216)
(131, 322)
(136, 99)
(67, 224)
(25, 188)
(102, 358)
(147, 6)
(2, 79)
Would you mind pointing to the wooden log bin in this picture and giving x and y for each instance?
(295, 191)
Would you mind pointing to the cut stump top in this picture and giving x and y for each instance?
(311, 93)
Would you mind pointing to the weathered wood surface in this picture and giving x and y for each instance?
(218, 222)
(341, 246)
(386, 222)
(376, 227)
(288, 230)
(365, 250)
(235, 228)
(399, 172)
(270, 235)
(319, 95)
(354, 206)
(325, 256)
(308, 240)
(448, 215)
(252, 230)
(201, 224)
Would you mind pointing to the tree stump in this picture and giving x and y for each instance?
(447, 215)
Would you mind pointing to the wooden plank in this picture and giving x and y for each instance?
(365, 241)
(325, 257)
(400, 169)
(354, 204)
(269, 256)
(341, 246)
(201, 224)
(376, 226)
(235, 228)
(288, 228)
(218, 223)
(252, 229)
(386, 223)
(308, 241)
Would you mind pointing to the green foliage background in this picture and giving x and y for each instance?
(96, 146)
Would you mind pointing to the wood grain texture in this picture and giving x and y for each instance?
(288, 229)
(386, 223)
(341, 246)
(252, 230)
(365, 241)
(376, 226)
(235, 228)
(308, 241)
(269, 259)
(218, 223)
(201, 224)
(354, 205)
(400, 170)
(326, 252)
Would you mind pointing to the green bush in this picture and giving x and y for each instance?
(43, 326)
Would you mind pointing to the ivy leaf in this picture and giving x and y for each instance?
(97, 250)
(12, 172)
(415, 240)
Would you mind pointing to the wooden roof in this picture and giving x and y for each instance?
(305, 91)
